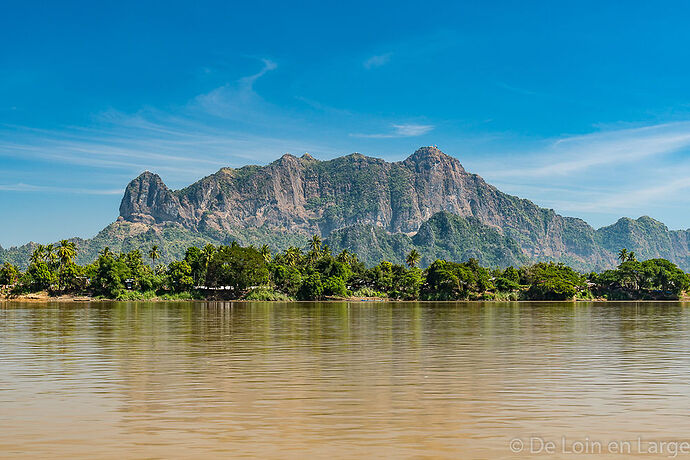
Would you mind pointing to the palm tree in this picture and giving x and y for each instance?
(623, 255)
(38, 255)
(266, 253)
(154, 254)
(315, 244)
(344, 257)
(412, 258)
(51, 257)
(208, 252)
(631, 256)
(66, 252)
(293, 255)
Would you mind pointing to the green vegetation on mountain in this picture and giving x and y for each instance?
(648, 238)
(443, 236)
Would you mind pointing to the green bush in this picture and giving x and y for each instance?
(266, 294)
(368, 292)
(136, 295)
(312, 288)
(506, 285)
(552, 289)
(9, 274)
(335, 286)
(185, 295)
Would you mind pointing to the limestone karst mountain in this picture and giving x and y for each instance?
(375, 208)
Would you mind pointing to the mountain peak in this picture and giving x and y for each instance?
(286, 156)
(147, 199)
(424, 153)
(649, 220)
(147, 175)
(642, 220)
(429, 158)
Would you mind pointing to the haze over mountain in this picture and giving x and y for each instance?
(375, 208)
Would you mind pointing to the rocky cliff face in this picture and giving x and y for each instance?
(304, 195)
(375, 208)
(148, 200)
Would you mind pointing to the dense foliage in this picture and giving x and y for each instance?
(651, 279)
(314, 273)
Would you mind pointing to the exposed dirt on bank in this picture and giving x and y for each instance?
(45, 297)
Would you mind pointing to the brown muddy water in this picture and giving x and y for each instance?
(344, 380)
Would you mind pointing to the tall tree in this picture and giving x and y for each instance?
(266, 253)
(623, 255)
(51, 256)
(208, 252)
(38, 254)
(154, 254)
(66, 252)
(315, 244)
(631, 256)
(293, 255)
(237, 267)
(9, 274)
(345, 257)
(413, 258)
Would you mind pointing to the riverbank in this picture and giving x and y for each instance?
(247, 273)
(44, 297)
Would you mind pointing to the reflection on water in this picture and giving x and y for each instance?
(455, 380)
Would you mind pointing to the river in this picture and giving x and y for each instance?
(343, 380)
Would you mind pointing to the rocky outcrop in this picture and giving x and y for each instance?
(147, 199)
(304, 195)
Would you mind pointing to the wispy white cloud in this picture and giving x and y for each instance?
(601, 176)
(20, 187)
(574, 154)
(248, 82)
(182, 145)
(181, 149)
(377, 61)
(632, 197)
(398, 130)
(236, 99)
(412, 130)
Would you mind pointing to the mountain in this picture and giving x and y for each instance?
(375, 208)
(649, 238)
(444, 236)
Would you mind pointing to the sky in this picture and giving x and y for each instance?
(583, 107)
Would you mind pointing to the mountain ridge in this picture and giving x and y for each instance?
(292, 197)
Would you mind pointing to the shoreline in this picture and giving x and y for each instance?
(45, 298)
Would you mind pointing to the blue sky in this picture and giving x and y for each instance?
(583, 107)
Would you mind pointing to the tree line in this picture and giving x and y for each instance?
(315, 273)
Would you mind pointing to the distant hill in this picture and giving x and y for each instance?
(376, 208)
